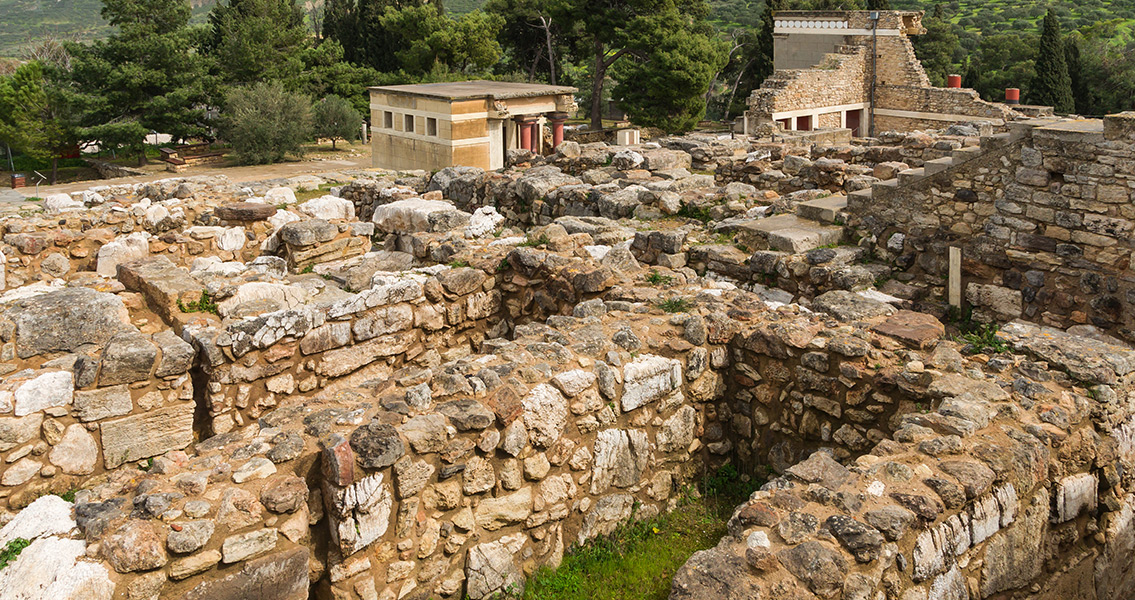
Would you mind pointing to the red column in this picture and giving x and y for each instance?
(557, 120)
(954, 81)
(535, 137)
(526, 135)
(1012, 96)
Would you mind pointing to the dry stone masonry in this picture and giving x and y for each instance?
(430, 385)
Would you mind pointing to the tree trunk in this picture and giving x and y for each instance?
(535, 61)
(597, 88)
(551, 55)
(11, 162)
(54, 169)
(142, 157)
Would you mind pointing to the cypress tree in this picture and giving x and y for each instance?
(1052, 85)
(762, 65)
(1080, 94)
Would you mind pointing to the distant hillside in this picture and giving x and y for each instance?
(26, 20)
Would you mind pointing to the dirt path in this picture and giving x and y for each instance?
(235, 174)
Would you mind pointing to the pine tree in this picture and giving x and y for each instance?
(1052, 85)
(257, 40)
(935, 48)
(144, 77)
(33, 118)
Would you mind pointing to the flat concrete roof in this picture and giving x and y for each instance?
(461, 90)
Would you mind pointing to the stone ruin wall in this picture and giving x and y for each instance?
(445, 431)
(844, 77)
(945, 101)
(838, 79)
(1044, 224)
(987, 496)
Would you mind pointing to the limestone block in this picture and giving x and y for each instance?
(360, 512)
(147, 434)
(649, 378)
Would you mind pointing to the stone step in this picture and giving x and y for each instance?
(859, 199)
(997, 140)
(788, 233)
(933, 167)
(910, 176)
(964, 154)
(824, 210)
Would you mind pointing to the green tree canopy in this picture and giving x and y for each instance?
(145, 77)
(334, 118)
(605, 31)
(264, 123)
(665, 86)
(33, 117)
(936, 48)
(1052, 86)
(256, 40)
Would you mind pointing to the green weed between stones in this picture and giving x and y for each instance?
(656, 278)
(674, 305)
(11, 550)
(203, 304)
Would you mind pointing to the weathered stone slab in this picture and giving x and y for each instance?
(339, 362)
(280, 576)
(67, 319)
(147, 434)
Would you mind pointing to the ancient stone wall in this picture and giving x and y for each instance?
(996, 490)
(926, 99)
(1043, 222)
(837, 80)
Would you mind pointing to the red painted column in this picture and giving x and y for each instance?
(954, 81)
(526, 135)
(557, 120)
(1012, 96)
(535, 129)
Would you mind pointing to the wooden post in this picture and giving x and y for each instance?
(955, 282)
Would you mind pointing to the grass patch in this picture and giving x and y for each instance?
(11, 550)
(675, 305)
(656, 278)
(533, 242)
(503, 265)
(984, 339)
(319, 192)
(638, 561)
(698, 213)
(203, 304)
(457, 264)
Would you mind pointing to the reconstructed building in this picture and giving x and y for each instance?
(469, 123)
(845, 68)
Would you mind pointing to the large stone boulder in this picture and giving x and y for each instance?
(418, 215)
(63, 321)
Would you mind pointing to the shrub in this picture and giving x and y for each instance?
(335, 119)
(265, 122)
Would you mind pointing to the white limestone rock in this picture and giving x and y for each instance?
(329, 208)
(484, 221)
(650, 378)
(76, 453)
(408, 216)
(280, 195)
(49, 390)
(122, 250)
(50, 569)
(545, 415)
(57, 203)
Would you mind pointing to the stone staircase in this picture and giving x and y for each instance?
(860, 200)
(820, 222)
